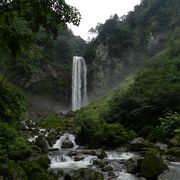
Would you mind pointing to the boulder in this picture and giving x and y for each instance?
(67, 144)
(86, 152)
(133, 165)
(51, 138)
(152, 165)
(79, 157)
(86, 174)
(174, 152)
(107, 169)
(101, 154)
(162, 147)
(72, 153)
(100, 163)
(112, 174)
(138, 144)
(53, 149)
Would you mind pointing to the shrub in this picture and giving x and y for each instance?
(12, 145)
(11, 103)
(169, 125)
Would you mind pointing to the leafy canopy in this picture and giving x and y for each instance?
(20, 20)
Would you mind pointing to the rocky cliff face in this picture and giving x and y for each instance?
(46, 92)
(107, 71)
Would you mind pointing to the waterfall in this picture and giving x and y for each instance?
(79, 83)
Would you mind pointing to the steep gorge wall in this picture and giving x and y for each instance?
(106, 71)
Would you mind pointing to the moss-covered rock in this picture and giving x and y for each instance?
(134, 165)
(87, 174)
(175, 152)
(51, 138)
(152, 164)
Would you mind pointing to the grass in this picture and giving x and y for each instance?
(100, 105)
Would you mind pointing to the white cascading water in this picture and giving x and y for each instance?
(61, 160)
(79, 83)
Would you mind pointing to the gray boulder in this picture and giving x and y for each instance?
(101, 154)
(133, 165)
(100, 163)
(67, 144)
(107, 169)
(87, 174)
(79, 157)
(138, 144)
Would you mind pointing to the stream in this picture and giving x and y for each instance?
(67, 156)
(61, 160)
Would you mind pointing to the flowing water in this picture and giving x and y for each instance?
(61, 160)
(79, 83)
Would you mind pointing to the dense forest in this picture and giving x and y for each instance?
(133, 65)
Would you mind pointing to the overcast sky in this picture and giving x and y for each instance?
(95, 11)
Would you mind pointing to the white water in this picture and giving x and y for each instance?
(66, 162)
(61, 160)
(115, 159)
(79, 83)
(70, 137)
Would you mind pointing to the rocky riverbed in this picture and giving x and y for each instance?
(139, 160)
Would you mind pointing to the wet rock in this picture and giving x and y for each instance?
(107, 169)
(133, 165)
(79, 157)
(53, 149)
(72, 153)
(111, 174)
(51, 138)
(101, 154)
(152, 165)
(67, 144)
(87, 174)
(174, 152)
(86, 152)
(67, 177)
(162, 147)
(138, 144)
(100, 163)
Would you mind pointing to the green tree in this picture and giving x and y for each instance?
(20, 20)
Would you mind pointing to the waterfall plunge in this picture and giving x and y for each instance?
(79, 83)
